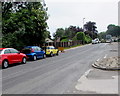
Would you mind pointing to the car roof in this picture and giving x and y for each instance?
(2, 48)
(5, 48)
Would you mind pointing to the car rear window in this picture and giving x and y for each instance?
(26, 50)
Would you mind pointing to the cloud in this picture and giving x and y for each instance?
(64, 13)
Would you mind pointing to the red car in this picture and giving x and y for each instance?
(11, 56)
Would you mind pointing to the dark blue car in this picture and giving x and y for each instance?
(34, 52)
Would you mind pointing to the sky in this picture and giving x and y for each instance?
(63, 13)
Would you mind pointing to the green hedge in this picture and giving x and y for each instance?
(88, 39)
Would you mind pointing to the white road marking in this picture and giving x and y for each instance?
(85, 74)
(105, 56)
(98, 60)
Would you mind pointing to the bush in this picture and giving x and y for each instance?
(12, 40)
(65, 40)
(64, 37)
(80, 36)
(88, 39)
(74, 38)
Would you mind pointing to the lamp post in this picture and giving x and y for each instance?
(43, 2)
(83, 24)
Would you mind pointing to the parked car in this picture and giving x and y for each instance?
(51, 50)
(11, 56)
(95, 41)
(108, 40)
(34, 52)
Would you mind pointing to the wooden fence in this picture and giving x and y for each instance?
(63, 44)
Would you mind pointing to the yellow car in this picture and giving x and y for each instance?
(51, 50)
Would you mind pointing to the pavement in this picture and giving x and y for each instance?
(94, 82)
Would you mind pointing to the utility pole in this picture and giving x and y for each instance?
(83, 24)
(43, 2)
(119, 13)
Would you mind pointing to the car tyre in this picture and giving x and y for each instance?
(34, 57)
(24, 60)
(5, 64)
(44, 55)
(57, 53)
(51, 54)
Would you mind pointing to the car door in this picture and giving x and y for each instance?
(54, 51)
(16, 57)
(7, 55)
(40, 52)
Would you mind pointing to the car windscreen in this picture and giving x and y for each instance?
(0, 51)
(26, 50)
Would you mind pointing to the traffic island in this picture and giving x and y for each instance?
(110, 63)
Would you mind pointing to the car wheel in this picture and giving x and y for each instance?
(24, 60)
(34, 57)
(51, 54)
(57, 53)
(5, 64)
(44, 55)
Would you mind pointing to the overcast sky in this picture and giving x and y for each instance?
(64, 13)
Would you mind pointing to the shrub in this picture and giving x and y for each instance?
(74, 38)
(64, 37)
(64, 40)
(88, 39)
(80, 36)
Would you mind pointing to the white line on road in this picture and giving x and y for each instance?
(98, 60)
(85, 74)
(105, 56)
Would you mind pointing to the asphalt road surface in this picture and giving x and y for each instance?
(53, 75)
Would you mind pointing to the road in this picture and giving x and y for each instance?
(53, 75)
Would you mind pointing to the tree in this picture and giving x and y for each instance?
(24, 20)
(59, 33)
(102, 35)
(113, 30)
(72, 30)
(80, 36)
(47, 34)
(90, 28)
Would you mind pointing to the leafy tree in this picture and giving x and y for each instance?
(69, 32)
(90, 28)
(47, 34)
(80, 36)
(88, 39)
(113, 30)
(59, 33)
(102, 35)
(24, 21)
